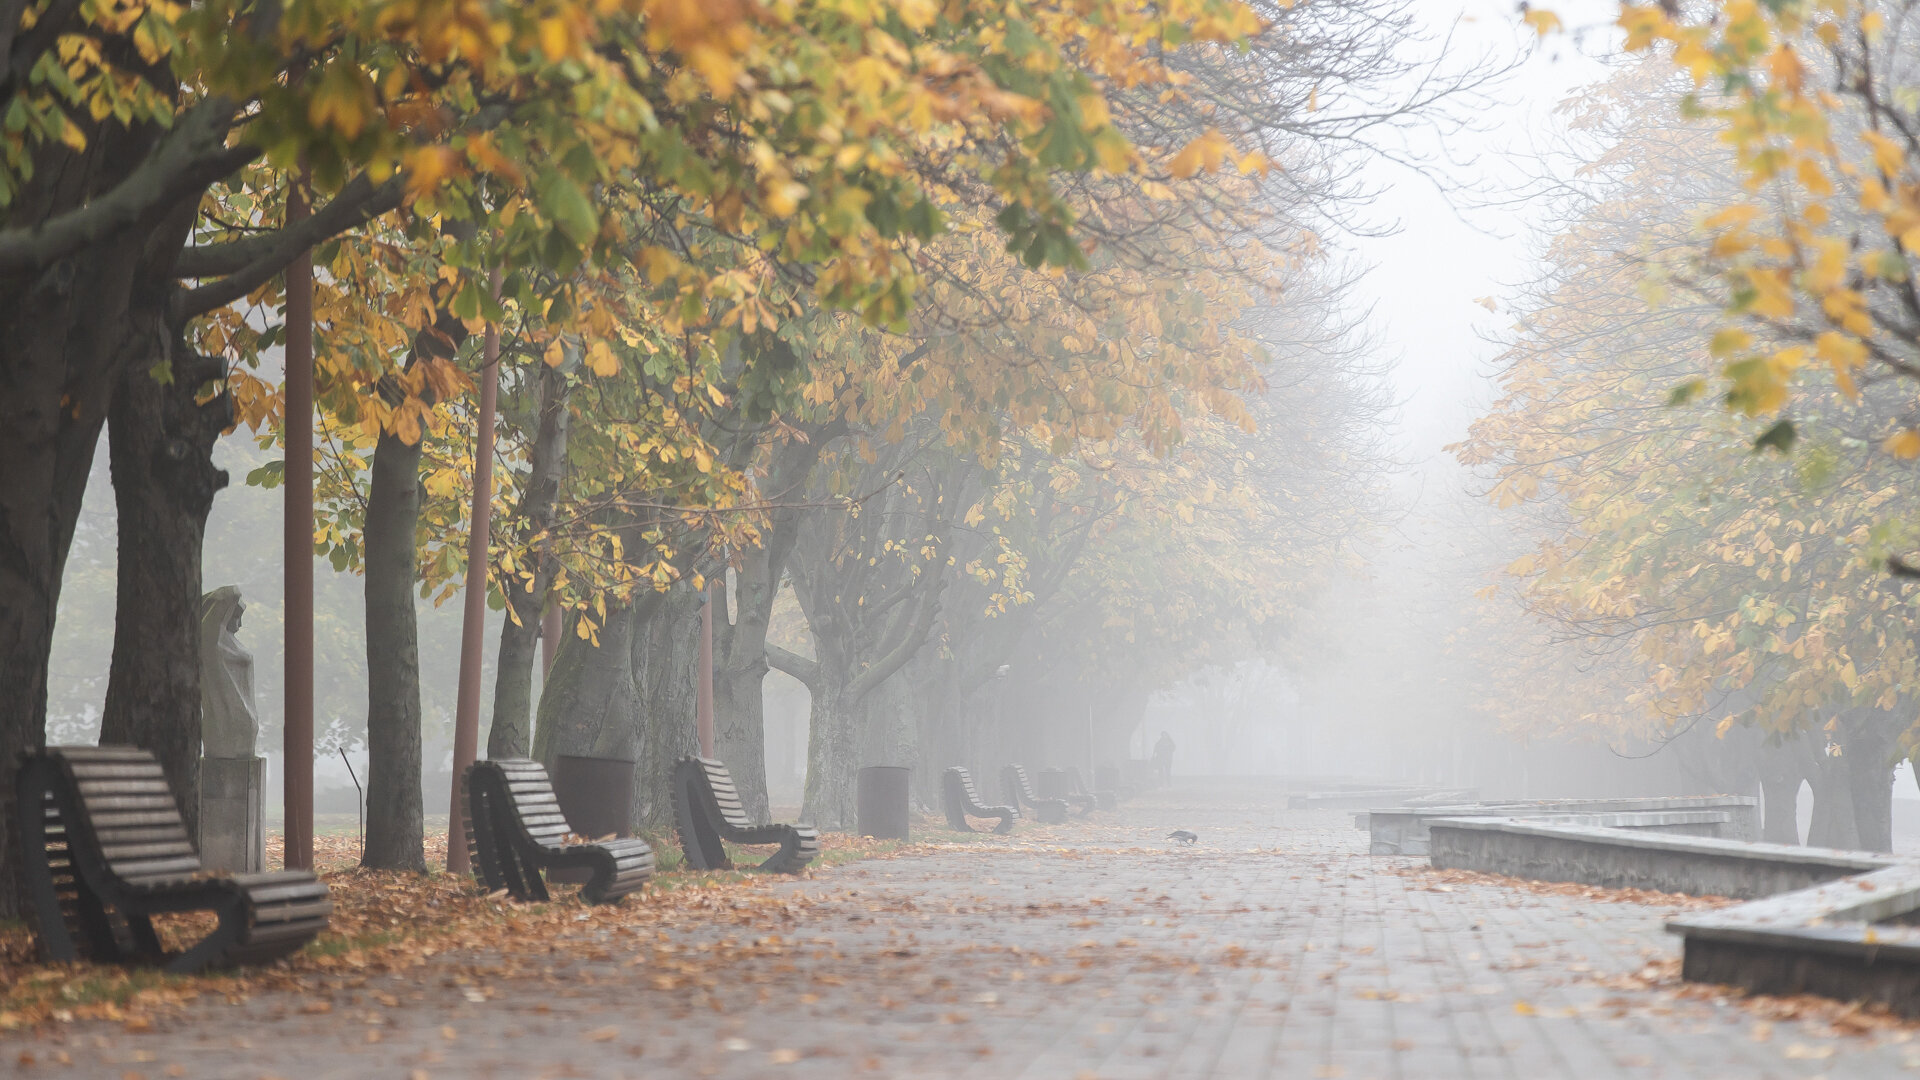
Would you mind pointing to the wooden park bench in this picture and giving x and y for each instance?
(1064, 784)
(956, 788)
(103, 849)
(1104, 798)
(707, 808)
(1020, 793)
(515, 830)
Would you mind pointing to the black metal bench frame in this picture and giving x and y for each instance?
(1020, 793)
(962, 799)
(515, 830)
(104, 849)
(707, 808)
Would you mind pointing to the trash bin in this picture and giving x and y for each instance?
(1053, 784)
(881, 801)
(596, 795)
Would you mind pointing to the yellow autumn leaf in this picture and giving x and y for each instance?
(556, 38)
(1772, 296)
(1204, 153)
(1730, 341)
(1887, 155)
(783, 197)
(1904, 444)
(1740, 214)
(1544, 22)
(601, 360)
(428, 165)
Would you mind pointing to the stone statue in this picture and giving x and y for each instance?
(229, 725)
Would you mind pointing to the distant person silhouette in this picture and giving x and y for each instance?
(1163, 759)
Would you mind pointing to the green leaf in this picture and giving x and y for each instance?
(1780, 436)
(1686, 392)
(269, 475)
(562, 200)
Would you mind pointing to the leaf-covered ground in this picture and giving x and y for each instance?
(382, 921)
(1274, 947)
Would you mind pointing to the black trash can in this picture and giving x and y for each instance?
(881, 801)
(596, 795)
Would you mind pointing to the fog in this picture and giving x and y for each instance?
(1384, 668)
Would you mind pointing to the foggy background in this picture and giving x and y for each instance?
(1373, 686)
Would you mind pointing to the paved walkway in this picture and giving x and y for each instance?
(1275, 948)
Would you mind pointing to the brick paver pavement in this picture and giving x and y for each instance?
(1274, 948)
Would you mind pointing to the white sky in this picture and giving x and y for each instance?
(1426, 276)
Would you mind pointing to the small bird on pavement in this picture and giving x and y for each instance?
(1183, 836)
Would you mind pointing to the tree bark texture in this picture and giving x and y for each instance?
(666, 665)
(1833, 822)
(864, 628)
(590, 702)
(740, 666)
(65, 339)
(629, 697)
(740, 641)
(396, 827)
(161, 441)
(92, 242)
(1870, 736)
(511, 734)
(832, 757)
(1781, 768)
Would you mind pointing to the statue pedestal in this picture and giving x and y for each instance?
(233, 814)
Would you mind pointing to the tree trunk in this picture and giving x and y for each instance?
(1868, 763)
(396, 828)
(740, 669)
(590, 698)
(64, 340)
(1871, 784)
(666, 664)
(740, 642)
(1833, 822)
(1782, 821)
(832, 747)
(520, 632)
(161, 442)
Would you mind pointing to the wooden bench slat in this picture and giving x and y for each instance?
(128, 852)
(517, 829)
(710, 812)
(109, 850)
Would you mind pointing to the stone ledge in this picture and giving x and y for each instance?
(1404, 830)
(1834, 940)
(1628, 858)
(1361, 799)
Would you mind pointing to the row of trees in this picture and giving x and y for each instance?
(1720, 580)
(949, 320)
